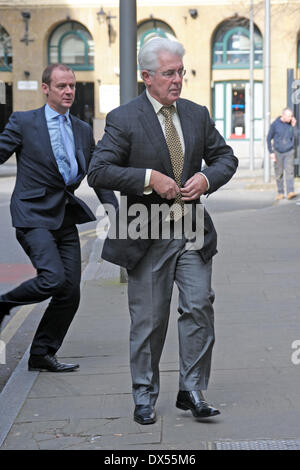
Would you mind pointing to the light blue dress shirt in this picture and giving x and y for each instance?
(56, 140)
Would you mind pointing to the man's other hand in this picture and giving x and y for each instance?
(194, 187)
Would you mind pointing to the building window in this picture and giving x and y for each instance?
(6, 107)
(5, 50)
(231, 105)
(71, 44)
(231, 45)
(238, 128)
(153, 28)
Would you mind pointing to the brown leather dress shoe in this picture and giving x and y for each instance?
(195, 402)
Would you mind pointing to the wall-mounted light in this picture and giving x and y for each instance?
(26, 15)
(193, 13)
(26, 73)
(102, 16)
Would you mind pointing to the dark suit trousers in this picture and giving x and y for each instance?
(55, 254)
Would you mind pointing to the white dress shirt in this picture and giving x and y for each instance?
(176, 121)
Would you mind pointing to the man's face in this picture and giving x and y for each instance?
(165, 89)
(287, 116)
(61, 91)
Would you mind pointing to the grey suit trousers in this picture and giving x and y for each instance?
(150, 286)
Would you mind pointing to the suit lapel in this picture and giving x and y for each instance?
(154, 131)
(44, 138)
(78, 144)
(42, 130)
(152, 127)
(187, 125)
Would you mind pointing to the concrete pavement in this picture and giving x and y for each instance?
(255, 377)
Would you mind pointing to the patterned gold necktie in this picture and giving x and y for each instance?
(176, 157)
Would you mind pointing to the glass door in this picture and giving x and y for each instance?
(231, 109)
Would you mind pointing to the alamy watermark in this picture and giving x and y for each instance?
(139, 221)
(295, 357)
(2, 93)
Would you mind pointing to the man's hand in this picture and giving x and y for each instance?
(273, 157)
(194, 187)
(163, 185)
(293, 121)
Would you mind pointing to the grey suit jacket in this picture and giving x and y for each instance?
(134, 141)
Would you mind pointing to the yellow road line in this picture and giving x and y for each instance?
(83, 243)
(15, 323)
(87, 232)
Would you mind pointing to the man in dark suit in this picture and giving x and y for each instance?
(53, 151)
(152, 152)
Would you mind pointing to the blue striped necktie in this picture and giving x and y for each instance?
(68, 160)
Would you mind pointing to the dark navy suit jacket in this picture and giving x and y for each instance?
(40, 195)
(134, 141)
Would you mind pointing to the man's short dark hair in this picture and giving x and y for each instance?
(46, 77)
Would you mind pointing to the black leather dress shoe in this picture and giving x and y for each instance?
(2, 315)
(49, 363)
(4, 310)
(195, 402)
(144, 414)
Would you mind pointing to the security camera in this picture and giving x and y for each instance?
(26, 15)
(193, 13)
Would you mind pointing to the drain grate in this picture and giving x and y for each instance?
(262, 444)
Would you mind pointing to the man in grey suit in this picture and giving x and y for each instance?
(152, 152)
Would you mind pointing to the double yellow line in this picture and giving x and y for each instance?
(88, 233)
(15, 323)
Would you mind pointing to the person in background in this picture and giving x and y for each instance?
(280, 140)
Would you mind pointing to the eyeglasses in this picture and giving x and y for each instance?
(170, 73)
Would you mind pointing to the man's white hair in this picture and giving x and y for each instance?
(149, 52)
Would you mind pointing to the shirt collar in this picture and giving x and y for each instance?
(156, 104)
(52, 114)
